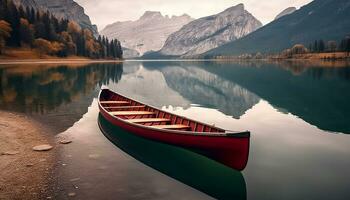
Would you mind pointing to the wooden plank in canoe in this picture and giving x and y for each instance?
(114, 102)
(124, 113)
(173, 126)
(125, 107)
(146, 120)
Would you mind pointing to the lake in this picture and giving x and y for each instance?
(298, 114)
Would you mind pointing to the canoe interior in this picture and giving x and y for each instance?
(136, 112)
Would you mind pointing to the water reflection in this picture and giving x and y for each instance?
(286, 105)
(192, 169)
(318, 94)
(54, 92)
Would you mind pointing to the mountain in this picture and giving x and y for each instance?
(148, 33)
(320, 19)
(210, 32)
(67, 9)
(130, 53)
(286, 11)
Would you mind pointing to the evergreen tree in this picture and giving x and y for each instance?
(59, 37)
(26, 31)
(321, 46)
(14, 20)
(315, 49)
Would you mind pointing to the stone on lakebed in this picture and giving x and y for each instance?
(44, 147)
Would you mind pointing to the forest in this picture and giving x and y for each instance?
(25, 27)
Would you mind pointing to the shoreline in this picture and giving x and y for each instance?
(55, 61)
(24, 173)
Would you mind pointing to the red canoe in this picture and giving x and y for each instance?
(227, 147)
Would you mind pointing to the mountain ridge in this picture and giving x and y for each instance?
(304, 26)
(209, 32)
(148, 33)
(68, 9)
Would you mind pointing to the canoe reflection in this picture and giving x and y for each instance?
(197, 171)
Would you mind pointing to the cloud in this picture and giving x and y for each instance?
(104, 12)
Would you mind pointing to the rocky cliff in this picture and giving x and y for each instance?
(148, 33)
(68, 9)
(320, 19)
(207, 33)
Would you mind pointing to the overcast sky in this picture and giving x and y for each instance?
(104, 12)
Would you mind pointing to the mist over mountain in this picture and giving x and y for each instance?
(148, 33)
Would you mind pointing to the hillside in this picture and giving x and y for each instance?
(320, 19)
(67, 9)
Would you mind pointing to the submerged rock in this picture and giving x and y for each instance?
(71, 194)
(44, 147)
(10, 153)
(65, 141)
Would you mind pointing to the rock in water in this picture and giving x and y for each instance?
(44, 147)
(207, 33)
(71, 194)
(65, 141)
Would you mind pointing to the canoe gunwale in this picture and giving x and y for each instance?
(243, 134)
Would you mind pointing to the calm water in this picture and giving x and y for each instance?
(298, 113)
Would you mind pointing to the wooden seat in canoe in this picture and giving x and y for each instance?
(148, 120)
(125, 107)
(125, 113)
(172, 126)
(114, 102)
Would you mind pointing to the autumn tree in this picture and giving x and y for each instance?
(46, 47)
(26, 31)
(91, 46)
(69, 47)
(30, 27)
(5, 31)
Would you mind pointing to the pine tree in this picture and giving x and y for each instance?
(26, 31)
(315, 46)
(321, 46)
(60, 37)
(14, 20)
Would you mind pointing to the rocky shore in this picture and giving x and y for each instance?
(26, 167)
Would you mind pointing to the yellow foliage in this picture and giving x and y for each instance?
(47, 47)
(5, 30)
(73, 28)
